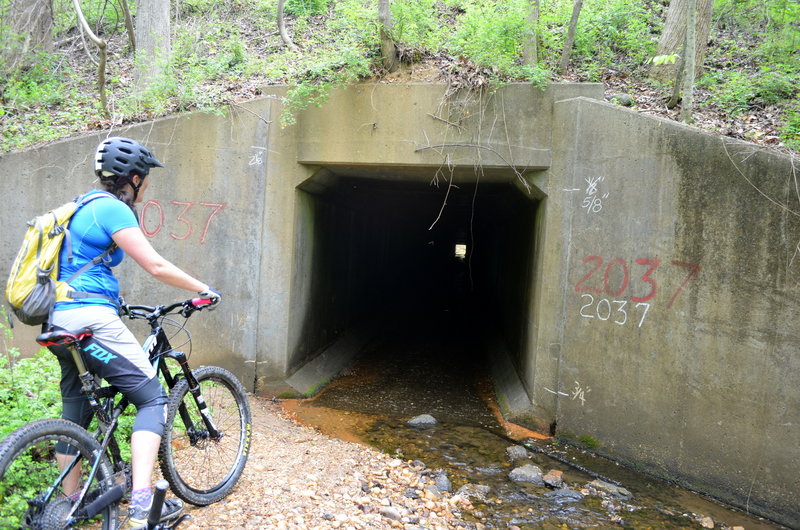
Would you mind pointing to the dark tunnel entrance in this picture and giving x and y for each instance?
(377, 250)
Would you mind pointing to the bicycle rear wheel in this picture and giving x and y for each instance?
(202, 470)
(31, 495)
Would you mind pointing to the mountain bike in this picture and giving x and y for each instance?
(203, 451)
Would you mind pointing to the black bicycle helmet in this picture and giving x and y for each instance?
(118, 158)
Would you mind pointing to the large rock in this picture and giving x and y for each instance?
(611, 489)
(527, 473)
(516, 452)
(442, 481)
(423, 420)
(473, 491)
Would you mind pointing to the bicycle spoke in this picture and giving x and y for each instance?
(202, 469)
(36, 488)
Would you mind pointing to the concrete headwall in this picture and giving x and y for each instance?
(677, 304)
(637, 276)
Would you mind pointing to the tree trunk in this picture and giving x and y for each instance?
(673, 37)
(573, 24)
(128, 24)
(388, 48)
(152, 42)
(101, 47)
(287, 40)
(27, 29)
(687, 102)
(530, 48)
(676, 86)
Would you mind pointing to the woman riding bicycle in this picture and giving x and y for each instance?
(108, 222)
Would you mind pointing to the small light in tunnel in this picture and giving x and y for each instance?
(461, 251)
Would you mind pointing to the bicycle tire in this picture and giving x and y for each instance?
(28, 468)
(204, 471)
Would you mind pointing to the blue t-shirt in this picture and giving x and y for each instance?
(91, 228)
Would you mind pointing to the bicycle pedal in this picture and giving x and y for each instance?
(179, 520)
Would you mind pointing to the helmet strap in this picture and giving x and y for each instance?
(135, 186)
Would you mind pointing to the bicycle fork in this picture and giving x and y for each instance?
(194, 388)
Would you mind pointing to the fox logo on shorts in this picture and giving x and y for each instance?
(99, 353)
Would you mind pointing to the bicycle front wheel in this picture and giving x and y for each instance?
(32, 494)
(203, 468)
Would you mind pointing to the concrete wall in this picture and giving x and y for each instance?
(204, 212)
(637, 276)
(677, 304)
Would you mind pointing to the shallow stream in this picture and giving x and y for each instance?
(430, 368)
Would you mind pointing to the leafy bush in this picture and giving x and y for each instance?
(345, 49)
(29, 387)
(772, 87)
(790, 130)
(738, 92)
(607, 32)
(417, 23)
(306, 8)
(491, 34)
(42, 83)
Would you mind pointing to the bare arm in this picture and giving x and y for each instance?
(132, 241)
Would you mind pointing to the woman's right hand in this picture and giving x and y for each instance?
(211, 294)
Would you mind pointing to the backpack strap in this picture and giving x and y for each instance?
(76, 295)
(82, 201)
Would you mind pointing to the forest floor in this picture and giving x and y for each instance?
(758, 126)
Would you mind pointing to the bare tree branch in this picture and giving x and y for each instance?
(101, 65)
(492, 150)
(128, 23)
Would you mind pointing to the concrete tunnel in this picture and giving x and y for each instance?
(378, 245)
(313, 230)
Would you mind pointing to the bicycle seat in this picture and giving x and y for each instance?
(62, 337)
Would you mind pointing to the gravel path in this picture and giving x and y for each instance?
(297, 478)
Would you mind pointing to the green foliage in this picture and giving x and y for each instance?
(739, 91)
(588, 441)
(417, 23)
(763, 33)
(103, 17)
(345, 49)
(40, 84)
(490, 33)
(202, 53)
(29, 387)
(672, 58)
(790, 129)
(613, 31)
(306, 8)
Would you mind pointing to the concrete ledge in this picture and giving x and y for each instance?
(320, 370)
(513, 398)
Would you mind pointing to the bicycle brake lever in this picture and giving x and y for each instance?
(122, 307)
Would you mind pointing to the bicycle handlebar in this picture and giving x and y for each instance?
(185, 308)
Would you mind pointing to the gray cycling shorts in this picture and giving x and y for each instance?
(114, 354)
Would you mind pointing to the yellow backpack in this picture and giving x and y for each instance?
(33, 287)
